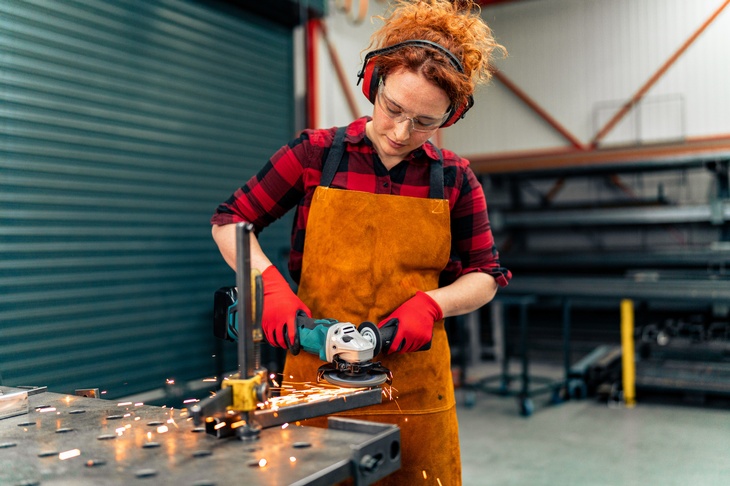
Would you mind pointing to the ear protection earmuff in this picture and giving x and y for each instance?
(371, 79)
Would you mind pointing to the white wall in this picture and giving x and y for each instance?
(582, 59)
(579, 60)
(350, 41)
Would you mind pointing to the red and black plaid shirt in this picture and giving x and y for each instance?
(293, 173)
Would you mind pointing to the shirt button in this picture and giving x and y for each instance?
(385, 184)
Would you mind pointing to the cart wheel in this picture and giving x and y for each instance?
(577, 389)
(470, 398)
(557, 397)
(504, 386)
(526, 407)
(616, 395)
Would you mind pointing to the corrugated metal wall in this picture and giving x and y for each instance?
(122, 125)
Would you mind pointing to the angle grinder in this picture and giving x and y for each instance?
(347, 350)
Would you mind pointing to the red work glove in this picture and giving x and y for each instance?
(280, 310)
(414, 321)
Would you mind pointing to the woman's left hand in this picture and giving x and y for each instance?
(414, 321)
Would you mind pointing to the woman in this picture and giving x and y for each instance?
(389, 228)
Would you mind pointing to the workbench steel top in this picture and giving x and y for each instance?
(71, 440)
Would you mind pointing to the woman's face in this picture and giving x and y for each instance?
(406, 100)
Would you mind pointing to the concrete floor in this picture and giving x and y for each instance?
(589, 443)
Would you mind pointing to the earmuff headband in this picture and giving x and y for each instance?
(369, 74)
(414, 42)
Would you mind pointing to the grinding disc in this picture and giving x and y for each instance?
(354, 381)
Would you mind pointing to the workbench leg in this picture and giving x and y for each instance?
(525, 402)
(500, 312)
(567, 392)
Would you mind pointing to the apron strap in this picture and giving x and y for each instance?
(337, 150)
(329, 169)
(436, 190)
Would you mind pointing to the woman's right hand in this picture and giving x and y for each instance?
(280, 310)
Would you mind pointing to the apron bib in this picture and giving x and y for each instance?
(364, 255)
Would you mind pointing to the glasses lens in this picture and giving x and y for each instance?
(425, 127)
(393, 111)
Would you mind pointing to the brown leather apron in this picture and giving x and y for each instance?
(364, 255)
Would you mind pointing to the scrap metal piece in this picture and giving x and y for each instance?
(13, 403)
(221, 427)
(87, 392)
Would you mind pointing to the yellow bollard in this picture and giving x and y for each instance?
(627, 352)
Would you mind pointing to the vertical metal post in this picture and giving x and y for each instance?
(722, 171)
(627, 352)
(505, 382)
(524, 348)
(567, 358)
(243, 306)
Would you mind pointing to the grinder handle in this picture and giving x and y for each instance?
(387, 334)
(311, 335)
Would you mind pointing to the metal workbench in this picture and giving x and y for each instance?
(51, 438)
(528, 290)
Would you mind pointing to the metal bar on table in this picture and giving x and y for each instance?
(243, 282)
(292, 413)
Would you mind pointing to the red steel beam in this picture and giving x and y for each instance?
(537, 108)
(663, 69)
(569, 158)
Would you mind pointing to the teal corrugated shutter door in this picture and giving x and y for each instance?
(122, 126)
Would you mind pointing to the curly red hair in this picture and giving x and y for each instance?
(456, 25)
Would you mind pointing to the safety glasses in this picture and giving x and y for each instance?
(419, 123)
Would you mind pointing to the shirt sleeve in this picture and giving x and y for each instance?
(473, 247)
(272, 192)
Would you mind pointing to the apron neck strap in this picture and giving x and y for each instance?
(436, 189)
(337, 150)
